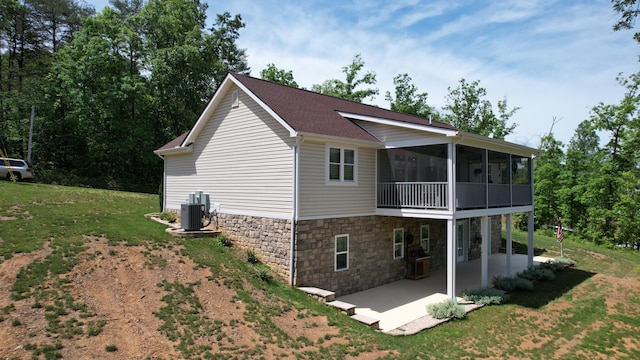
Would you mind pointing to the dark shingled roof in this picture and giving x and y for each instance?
(175, 142)
(310, 112)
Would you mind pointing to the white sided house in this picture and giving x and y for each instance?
(345, 196)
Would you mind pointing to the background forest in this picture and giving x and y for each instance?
(109, 88)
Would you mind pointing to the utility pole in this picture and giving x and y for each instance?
(33, 115)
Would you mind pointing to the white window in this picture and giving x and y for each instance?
(424, 238)
(398, 243)
(342, 252)
(341, 165)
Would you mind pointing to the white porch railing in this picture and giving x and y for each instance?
(419, 195)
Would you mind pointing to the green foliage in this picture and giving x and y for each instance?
(485, 296)
(565, 261)
(95, 327)
(183, 320)
(263, 273)
(111, 348)
(446, 309)
(535, 274)
(468, 111)
(407, 99)
(347, 89)
(280, 76)
(168, 216)
(553, 266)
(224, 241)
(252, 257)
(510, 284)
(547, 172)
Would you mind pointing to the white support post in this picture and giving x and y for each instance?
(509, 242)
(485, 228)
(530, 240)
(451, 259)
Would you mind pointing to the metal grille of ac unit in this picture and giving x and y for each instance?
(191, 216)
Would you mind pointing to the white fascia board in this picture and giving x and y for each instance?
(401, 124)
(175, 150)
(217, 98)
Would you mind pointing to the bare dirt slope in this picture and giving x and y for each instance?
(119, 285)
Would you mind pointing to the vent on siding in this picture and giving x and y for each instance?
(235, 100)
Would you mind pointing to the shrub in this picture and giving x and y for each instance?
(537, 273)
(111, 348)
(553, 266)
(264, 274)
(485, 296)
(252, 257)
(564, 260)
(223, 240)
(446, 309)
(168, 217)
(509, 284)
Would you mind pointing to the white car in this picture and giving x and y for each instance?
(20, 169)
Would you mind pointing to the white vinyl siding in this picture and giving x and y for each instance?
(242, 158)
(320, 199)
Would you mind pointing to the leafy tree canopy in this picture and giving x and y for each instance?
(469, 112)
(348, 89)
(407, 99)
(280, 76)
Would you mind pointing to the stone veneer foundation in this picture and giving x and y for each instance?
(371, 261)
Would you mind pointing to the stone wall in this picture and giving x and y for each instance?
(371, 261)
(270, 238)
(371, 258)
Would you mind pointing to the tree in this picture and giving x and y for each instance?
(628, 11)
(580, 165)
(347, 89)
(58, 20)
(407, 99)
(616, 162)
(469, 112)
(280, 76)
(184, 61)
(548, 168)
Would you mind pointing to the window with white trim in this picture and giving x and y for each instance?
(341, 165)
(342, 252)
(424, 238)
(398, 243)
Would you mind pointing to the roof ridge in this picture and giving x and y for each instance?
(432, 122)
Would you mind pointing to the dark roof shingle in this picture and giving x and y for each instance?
(307, 111)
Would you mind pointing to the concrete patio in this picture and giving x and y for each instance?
(400, 303)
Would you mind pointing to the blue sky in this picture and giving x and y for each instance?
(550, 58)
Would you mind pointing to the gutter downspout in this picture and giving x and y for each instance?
(294, 215)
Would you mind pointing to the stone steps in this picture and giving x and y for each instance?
(328, 297)
(347, 308)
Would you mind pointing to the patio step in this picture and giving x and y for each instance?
(370, 322)
(347, 308)
(324, 295)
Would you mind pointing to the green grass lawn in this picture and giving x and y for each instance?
(591, 310)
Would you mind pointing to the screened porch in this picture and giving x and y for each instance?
(418, 178)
